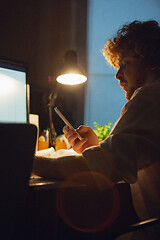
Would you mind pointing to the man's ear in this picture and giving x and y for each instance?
(154, 68)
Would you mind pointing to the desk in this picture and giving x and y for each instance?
(43, 220)
(39, 183)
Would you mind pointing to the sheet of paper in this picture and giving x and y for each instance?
(50, 152)
(45, 152)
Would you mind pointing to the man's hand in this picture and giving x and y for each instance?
(88, 135)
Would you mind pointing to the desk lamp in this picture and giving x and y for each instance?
(69, 74)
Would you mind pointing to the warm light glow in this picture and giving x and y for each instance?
(71, 79)
(7, 85)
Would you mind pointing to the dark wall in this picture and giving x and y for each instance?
(39, 32)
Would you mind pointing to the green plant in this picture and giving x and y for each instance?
(102, 131)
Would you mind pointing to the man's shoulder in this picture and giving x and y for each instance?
(152, 88)
(149, 93)
(145, 99)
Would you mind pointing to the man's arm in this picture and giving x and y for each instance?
(59, 168)
(92, 160)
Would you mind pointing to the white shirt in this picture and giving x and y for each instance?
(133, 146)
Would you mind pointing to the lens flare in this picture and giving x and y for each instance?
(90, 207)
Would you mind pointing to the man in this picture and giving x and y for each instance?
(133, 145)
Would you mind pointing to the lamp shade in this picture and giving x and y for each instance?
(71, 73)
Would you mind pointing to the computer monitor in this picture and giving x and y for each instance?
(14, 92)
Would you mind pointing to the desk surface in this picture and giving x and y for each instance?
(39, 183)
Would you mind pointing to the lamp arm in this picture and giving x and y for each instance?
(52, 133)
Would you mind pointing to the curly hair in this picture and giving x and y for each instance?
(141, 39)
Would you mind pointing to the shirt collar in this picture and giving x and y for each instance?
(135, 92)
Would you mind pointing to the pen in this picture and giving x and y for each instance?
(66, 121)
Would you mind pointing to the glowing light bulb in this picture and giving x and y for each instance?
(71, 79)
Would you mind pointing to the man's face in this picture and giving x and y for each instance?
(131, 75)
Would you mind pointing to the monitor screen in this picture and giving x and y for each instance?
(14, 96)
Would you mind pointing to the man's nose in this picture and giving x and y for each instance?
(119, 74)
